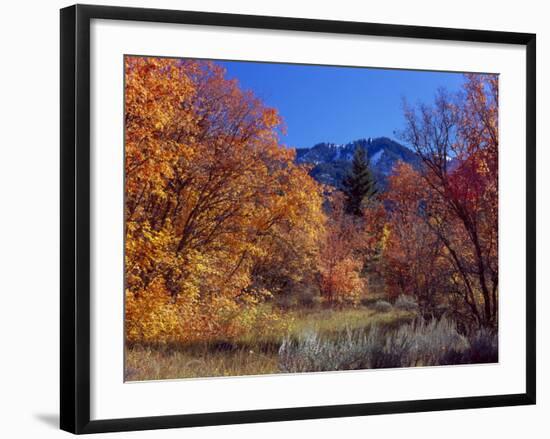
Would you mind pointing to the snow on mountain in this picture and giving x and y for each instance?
(376, 157)
(333, 161)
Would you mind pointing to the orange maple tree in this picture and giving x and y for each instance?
(211, 196)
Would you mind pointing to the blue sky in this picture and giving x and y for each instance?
(338, 104)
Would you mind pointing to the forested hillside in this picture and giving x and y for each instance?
(332, 162)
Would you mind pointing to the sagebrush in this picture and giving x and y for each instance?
(421, 343)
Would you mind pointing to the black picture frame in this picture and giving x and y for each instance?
(75, 217)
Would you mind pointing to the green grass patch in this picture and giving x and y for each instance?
(252, 353)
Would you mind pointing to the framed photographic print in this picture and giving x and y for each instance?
(268, 218)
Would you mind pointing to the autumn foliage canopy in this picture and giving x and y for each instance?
(220, 220)
(445, 216)
(218, 217)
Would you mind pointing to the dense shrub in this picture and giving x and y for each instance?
(308, 297)
(482, 348)
(426, 343)
(285, 301)
(313, 353)
(368, 301)
(382, 306)
(421, 343)
(406, 303)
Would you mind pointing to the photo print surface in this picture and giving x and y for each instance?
(290, 218)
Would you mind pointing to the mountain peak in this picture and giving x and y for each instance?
(332, 161)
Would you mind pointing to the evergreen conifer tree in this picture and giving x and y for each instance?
(359, 184)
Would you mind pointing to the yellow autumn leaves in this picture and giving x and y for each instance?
(218, 216)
